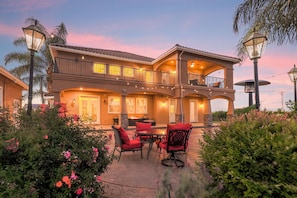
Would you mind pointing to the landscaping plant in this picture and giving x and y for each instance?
(50, 154)
(252, 155)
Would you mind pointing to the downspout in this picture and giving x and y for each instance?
(181, 87)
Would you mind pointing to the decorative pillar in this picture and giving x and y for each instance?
(230, 112)
(179, 115)
(124, 114)
(207, 112)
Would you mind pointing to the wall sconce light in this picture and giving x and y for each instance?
(73, 102)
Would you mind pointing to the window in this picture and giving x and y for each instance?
(99, 68)
(141, 105)
(114, 105)
(128, 72)
(114, 70)
(130, 104)
(148, 76)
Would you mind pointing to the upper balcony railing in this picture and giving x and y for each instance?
(209, 81)
(85, 68)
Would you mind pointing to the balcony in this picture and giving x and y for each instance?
(85, 68)
(208, 81)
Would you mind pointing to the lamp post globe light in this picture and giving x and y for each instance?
(293, 76)
(34, 39)
(254, 46)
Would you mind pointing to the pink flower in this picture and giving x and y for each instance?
(75, 117)
(45, 137)
(95, 154)
(73, 176)
(67, 154)
(98, 178)
(110, 136)
(79, 191)
(106, 147)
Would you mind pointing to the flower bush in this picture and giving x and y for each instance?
(50, 154)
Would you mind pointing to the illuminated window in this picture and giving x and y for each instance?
(128, 72)
(114, 104)
(99, 68)
(149, 76)
(114, 70)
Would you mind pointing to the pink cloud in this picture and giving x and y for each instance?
(10, 30)
(104, 42)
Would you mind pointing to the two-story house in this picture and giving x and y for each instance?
(11, 89)
(101, 85)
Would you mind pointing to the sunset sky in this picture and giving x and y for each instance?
(150, 28)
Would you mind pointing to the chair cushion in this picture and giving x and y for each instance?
(140, 126)
(132, 145)
(124, 136)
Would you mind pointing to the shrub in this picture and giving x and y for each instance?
(253, 155)
(52, 155)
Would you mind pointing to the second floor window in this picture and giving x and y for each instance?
(114, 70)
(128, 72)
(149, 76)
(99, 68)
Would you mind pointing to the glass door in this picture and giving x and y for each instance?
(89, 108)
(172, 109)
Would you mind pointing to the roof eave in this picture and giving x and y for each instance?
(95, 55)
(13, 78)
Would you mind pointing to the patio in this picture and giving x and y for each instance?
(136, 177)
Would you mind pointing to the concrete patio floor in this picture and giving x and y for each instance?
(135, 177)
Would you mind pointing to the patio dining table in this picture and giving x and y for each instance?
(152, 135)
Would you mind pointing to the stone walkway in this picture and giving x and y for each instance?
(135, 177)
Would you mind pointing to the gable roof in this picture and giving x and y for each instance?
(8, 75)
(126, 56)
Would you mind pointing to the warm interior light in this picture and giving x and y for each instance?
(34, 37)
(192, 64)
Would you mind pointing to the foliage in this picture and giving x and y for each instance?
(291, 106)
(244, 110)
(219, 115)
(52, 155)
(253, 155)
(275, 18)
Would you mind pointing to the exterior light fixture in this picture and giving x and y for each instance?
(293, 76)
(34, 39)
(254, 46)
(249, 87)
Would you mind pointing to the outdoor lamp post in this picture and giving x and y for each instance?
(254, 46)
(34, 39)
(293, 76)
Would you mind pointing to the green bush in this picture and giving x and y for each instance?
(253, 155)
(51, 155)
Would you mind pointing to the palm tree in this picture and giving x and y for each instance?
(43, 63)
(275, 18)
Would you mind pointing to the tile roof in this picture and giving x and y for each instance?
(106, 52)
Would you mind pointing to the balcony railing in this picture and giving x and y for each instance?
(85, 68)
(208, 81)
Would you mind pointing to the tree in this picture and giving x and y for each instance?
(275, 18)
(43, 63)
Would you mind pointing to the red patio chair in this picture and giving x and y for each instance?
(123, 143)
(176, 141)
(140, 126)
